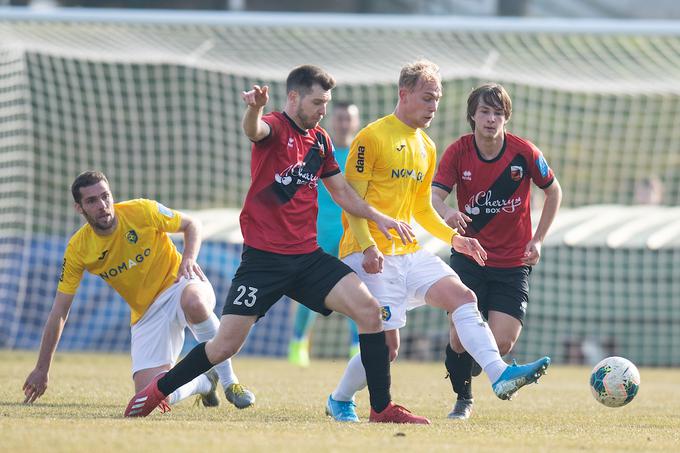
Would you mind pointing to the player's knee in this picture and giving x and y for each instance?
(368, 316)
(194, 308)
(218, 351)
(460, 296)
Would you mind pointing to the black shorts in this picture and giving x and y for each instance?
(263, 277)
(498, 289)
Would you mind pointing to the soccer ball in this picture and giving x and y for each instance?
(615, 381)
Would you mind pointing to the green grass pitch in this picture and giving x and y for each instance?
(82, 411)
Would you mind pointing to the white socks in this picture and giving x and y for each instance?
(206, 330)
(199, 385)
(353, 380)
(478, 340)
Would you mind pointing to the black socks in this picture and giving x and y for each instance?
(194, 364)
(376, 361)
(459, 367)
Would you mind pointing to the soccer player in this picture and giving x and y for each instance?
(127, 245)
(344, 124)
(290, 153)
(391, 165)
(492, 171)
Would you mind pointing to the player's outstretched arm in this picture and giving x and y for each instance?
(36, 382)
(255, 100)
(350, 201)
(188, 267)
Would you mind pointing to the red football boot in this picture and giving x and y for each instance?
(146, 400)
(395, 413)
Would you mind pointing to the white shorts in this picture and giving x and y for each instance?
(158, 336)
(402, 284)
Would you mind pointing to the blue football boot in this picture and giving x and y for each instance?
(517, 376)
(341, 411)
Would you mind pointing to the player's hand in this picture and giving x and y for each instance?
(458, 220)
(403, 229)
(35, 385)
(257, 97)
(373, 260)
(189, 268)
(469, 246)
(532, 253)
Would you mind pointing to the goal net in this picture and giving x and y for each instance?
(153, 100)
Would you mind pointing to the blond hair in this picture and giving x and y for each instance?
(419, 70)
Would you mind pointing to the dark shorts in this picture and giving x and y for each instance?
(263, 277)
(498, 289)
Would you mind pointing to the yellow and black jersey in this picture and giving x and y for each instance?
(138, 259)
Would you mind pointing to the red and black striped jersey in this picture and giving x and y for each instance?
(280, 210)
(495, 193)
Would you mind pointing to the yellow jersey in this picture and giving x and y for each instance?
(398, 162)
(138, 259)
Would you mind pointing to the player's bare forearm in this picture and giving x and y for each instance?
(255, 100)
(439, 202)
(50, 339)
(192, 237)
(253, 126)
(189, 268)
(53, 329)
(551, 204)
(353, 203)
(347, 198)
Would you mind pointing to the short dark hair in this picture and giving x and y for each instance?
(303, 78)
(494, 95)
(86, 179)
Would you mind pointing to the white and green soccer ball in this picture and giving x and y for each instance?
(615, 381)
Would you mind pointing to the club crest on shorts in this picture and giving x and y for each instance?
(385, 313)
(131, 236)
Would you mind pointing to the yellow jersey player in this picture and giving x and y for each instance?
(391, 165)
(126, 244)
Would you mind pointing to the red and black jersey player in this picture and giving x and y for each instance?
(492, 171)
(291, 153)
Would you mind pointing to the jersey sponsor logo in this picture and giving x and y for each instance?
(301, 173)
(542, 166)
(516, 172)
(125, 265)
(467, 175)
(167, 212)
(361, 153)
(131, 236)
(103, 255)
(485, 202)
(407, 173)
(385, 313)
(297, 173)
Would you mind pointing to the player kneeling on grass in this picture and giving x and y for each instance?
(281, 256)
(127, 245)
(391, 165)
